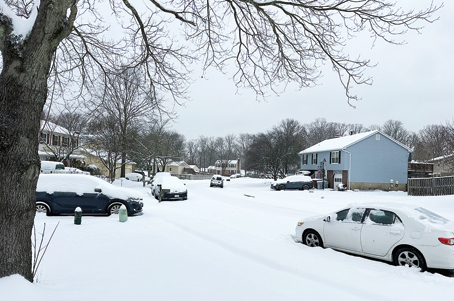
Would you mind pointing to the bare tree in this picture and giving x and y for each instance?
(266, 154)
(157, 146)
(68, 42)
(292, 137)
(105, 143)
(191, 151)
(432, 142)
(396, 130)
(243, 143)
(122, 97)
(320, 130)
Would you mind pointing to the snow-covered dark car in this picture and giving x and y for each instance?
(156, 180)
(293, 182)
(170, 188)
(63, 193)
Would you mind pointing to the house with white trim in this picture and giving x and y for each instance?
(364, 161)
(226, 167)
(55, 142)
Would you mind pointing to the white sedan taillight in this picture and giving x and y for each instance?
(447, 241)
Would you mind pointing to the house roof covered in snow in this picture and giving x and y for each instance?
(344, 142)
(51, 127)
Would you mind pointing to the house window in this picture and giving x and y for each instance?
(43, 138)
(335, 157)
(314, 159)
(54, 140)
(377, 136)
(305, 159)
(65, 141)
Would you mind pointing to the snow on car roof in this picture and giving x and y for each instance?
(430, 220)
(297, 178)
(80, 184)
(172, 183)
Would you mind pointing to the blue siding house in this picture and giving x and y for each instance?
(370, 160)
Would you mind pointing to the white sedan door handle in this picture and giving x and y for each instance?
(355, 228)
(395, 232)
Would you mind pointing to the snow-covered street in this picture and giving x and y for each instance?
(234, 243)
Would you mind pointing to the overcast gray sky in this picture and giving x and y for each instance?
(413, 83)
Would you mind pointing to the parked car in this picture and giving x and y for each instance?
(217, 180)
(52, 167)
(157, 176)
(399, 233)
(63, 193)
(172, 188)
(293, 182)
(134, 176)
(75, 170)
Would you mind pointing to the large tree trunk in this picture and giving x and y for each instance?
(23, 91)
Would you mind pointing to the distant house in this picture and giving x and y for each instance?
(55, 142)
(370, 160)
(195, 168)
(443, 166)
(226, 167)
(93, 158)
(181, 168)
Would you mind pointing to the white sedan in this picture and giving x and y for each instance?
(403, 234)
(137, 177)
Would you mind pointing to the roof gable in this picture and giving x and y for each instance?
(50, 127)
(344, 142)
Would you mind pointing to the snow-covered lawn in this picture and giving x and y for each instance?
(234, 243)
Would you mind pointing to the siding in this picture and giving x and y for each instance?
(378, 161)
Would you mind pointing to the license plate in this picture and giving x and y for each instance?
(177, 196)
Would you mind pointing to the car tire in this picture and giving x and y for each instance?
(222, 186)
(306, 187)
(408, 256)
(312, 239)
(43, 208)
(281, 187)
(114, 208)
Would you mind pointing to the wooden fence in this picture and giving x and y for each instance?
(431, 186)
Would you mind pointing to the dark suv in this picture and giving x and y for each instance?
(217, 181)
(63, 193)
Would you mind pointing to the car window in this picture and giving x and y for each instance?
(341, 215)
(355, 214)
(352, 215)
(382, 217)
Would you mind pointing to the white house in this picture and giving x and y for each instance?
(226, 167)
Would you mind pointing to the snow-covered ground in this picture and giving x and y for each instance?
(234, 243)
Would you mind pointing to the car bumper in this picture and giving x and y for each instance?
(274, 187)
(438, 257)
(174, 196)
